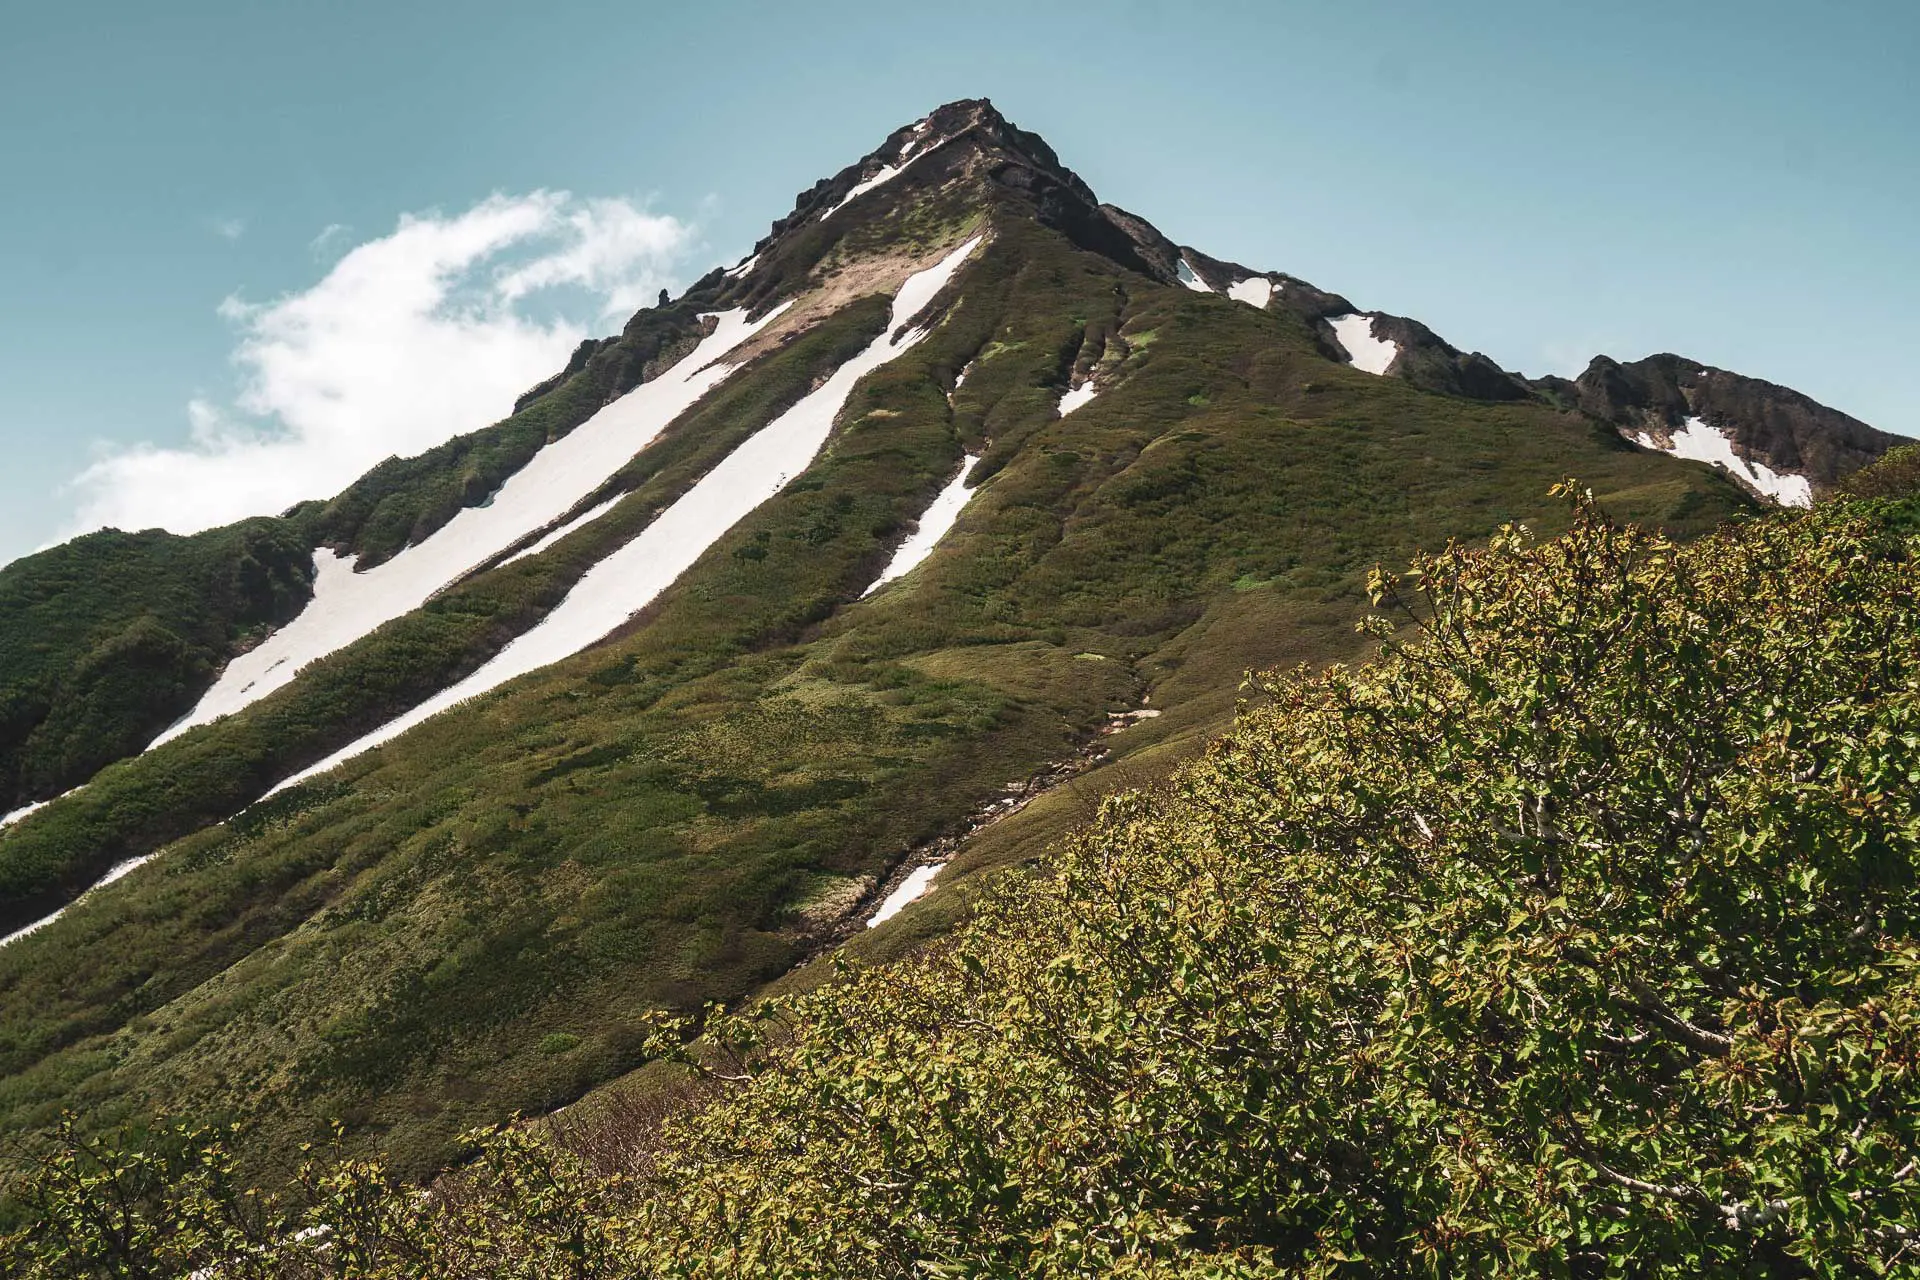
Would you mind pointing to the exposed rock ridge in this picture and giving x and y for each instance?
(970, 142)
(1765, 423)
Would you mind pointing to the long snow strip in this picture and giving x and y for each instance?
(911, 890)
(119, 869)
(887, 173)
(1699, 442)
(1255, 291)
(628, 580)
(8, 819)
(1191, 279)
(1368, 353)
(935, 521)
(348, 605)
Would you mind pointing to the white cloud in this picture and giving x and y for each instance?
(229, 228)
(409, 340)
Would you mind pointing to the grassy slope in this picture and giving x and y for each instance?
(478, 918)
(107, 639)
(140, 804)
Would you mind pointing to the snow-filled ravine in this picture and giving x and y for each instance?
(938, 518)
(1699, 442)
(911, 890)
(1190, 278)
(1077, 397)
(628, 580)
(1368, 353)
(348, 605)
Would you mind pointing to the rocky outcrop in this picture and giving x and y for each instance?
(1765, 423)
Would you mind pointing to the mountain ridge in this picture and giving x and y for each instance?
(1175, 483)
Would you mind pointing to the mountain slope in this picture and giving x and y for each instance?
(106, 640)
(1177, 480)
(1571, 935)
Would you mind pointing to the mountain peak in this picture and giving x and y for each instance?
(964, 160)
(969, 150)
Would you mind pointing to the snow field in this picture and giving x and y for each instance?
(1368, 353)
(1077, 397)
(114, 873)
(580, 521)
(911, 890)
(1255, 291)
(348, 605)
(1699, 442)
(630, 578)
(935, 521)
(1190, 279)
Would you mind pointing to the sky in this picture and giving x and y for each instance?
(248, 250)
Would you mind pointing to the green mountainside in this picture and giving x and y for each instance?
(1574, 935)
(491, 913)
(107, 639)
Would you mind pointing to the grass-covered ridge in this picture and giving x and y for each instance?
(1574, 935)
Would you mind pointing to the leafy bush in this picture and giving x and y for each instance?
(1896, 475)
(1574, 936)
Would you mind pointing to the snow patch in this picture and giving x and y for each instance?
(579, 521)
(911, 890)
(887, 173)
(746, 265)
(626, 581)
(347, 605)
(1699, 442)
(1189, 278)
(118, 870)
(1368, 353)
(1077, 397)
(1255, 291)
(8, 819)
(935, 521)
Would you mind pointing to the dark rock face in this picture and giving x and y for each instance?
(1431, 363)
(1425, 359)
(1766, 423)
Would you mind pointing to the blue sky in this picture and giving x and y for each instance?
(188, 185)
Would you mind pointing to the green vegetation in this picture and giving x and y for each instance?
(106, 640)
(1575, 935)
(632, 830)
(141, 804)
(1896, 475)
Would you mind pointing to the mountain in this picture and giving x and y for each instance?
(663, 685)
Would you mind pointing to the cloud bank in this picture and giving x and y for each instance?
(409, 340)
